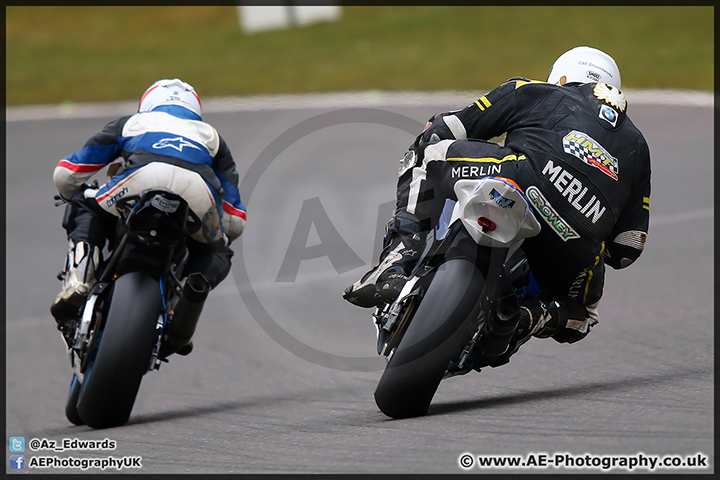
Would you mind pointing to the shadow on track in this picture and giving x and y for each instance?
(197, 411)
(627, 383)
(190, 411)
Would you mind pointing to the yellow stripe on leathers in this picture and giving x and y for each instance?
(485, 103)
(520, 83)
(590, 273)
(507, 158)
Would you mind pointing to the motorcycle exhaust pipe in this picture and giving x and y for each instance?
(187, 311)
(500, 326)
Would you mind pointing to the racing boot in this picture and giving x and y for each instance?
(382, 284)
(536, 318)
(545, 316)
(79, 277)
(186, 314)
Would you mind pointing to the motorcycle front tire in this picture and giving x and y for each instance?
(443, 324)
(112, 381)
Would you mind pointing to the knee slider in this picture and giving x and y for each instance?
(573, 321)
(563, 319)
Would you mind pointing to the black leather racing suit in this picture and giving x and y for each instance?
(572, 149)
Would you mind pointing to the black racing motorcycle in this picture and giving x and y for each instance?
(460, 306)
(121, 331)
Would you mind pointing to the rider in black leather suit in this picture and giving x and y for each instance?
(580, 160)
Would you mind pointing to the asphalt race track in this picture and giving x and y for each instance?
(283, 372)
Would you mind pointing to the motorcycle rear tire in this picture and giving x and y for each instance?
(443, 324)
(71, 407)
(112, 381)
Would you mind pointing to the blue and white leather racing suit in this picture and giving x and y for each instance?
(169, 147)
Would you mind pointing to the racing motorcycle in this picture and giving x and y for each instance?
(121, 331)
(460, 306)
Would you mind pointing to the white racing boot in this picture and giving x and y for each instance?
(383, 283)
(78, 279)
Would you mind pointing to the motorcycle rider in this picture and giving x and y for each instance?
(165, 144)
(582, 163)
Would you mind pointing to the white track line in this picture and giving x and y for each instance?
(369, 99)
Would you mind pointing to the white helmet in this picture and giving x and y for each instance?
(585, 65)
(170, 92)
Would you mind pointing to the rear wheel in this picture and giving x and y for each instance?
(71, 407)
(443, 324)
(112, 380)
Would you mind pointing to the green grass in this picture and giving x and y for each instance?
(80, 54)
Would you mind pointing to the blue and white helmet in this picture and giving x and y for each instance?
(170, 92)
(585, 65)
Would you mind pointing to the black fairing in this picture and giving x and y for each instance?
(154, 223)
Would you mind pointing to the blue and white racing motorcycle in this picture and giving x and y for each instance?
(121, 331)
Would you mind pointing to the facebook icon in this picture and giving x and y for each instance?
(17, 462)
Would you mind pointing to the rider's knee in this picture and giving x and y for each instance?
(564, 319)
(574, 321)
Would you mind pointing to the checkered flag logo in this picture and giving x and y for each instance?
(583, 146)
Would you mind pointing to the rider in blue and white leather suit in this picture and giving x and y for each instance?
(166, 144)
